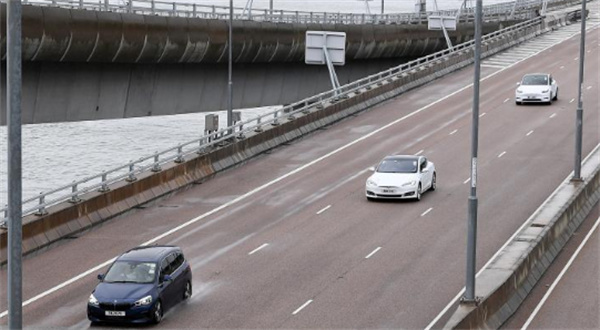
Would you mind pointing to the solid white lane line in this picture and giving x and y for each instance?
(419, 152)
(264, 186)
(530, 132)
(453, 132)
(481, 115)
(560, 276)
(572, 100)
(258, 249)
(372, 253)
(324, 209)
(526, 223)
(302, 307)
(506, 100)
(553, 115)
(502, 154)
(425, 213)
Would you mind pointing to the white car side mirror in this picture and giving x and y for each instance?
(425, 170)
(519, 83)
(372, 169)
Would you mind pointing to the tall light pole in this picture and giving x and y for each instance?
(579, 115)
(230, 83)
(382, 6)
(13, 121)
(469, 296)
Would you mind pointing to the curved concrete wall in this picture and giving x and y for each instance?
(71, 35)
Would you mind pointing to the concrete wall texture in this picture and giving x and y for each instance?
(87, 65)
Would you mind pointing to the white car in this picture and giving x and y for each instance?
(401, 177)
(536, 88)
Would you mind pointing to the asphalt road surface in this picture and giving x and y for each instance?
(289, 240)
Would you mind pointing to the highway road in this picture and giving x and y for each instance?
(289, 240)
(568, 295)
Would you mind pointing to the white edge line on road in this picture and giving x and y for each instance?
(553, 115)
(425, 213)
(419, 152)
(525, 223)
(457, 297)
(453, 132)
(372, 253)
(258, 249)
(302, 307)
(467, 181)
(324, 209)
(560, 276)
(268, 184)
(529, 133)
(502, 154)
(506, 100)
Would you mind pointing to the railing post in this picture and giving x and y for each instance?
(156, 167)
(194, 10)
(106, 3)
(80, 4)
(179, 158)
(174, 12)
(152, 7)
(258, 129)
(104, 187)
(74, 198)
(42, 209)
(130, 6)
(3, 223)
(276, 121)
(131, 177)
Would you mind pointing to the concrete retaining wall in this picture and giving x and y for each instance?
(509, 278)
(68, 219)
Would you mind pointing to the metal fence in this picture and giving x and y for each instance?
(130, 172)
(519, 9)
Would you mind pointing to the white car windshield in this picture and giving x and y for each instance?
(398, 166)
(535, 80)
(131, 272)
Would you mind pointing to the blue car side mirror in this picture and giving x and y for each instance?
(100, 277)
(167, 278)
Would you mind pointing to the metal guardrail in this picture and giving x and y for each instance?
(179, 9)
(101, 182)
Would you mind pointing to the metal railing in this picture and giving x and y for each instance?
(130, 172)
(180, 9)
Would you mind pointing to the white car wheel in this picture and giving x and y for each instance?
(418, 192)
(433, 182)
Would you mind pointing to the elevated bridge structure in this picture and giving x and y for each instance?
(88, 61)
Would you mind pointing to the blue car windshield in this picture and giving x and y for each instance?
(131, 272)
(535, 80)
(398, 166)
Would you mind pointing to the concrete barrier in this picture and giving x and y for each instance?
(66, 219)
(508, 279)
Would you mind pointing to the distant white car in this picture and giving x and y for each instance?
(401, 177)
(536, 88)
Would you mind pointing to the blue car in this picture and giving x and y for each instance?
(141, 285)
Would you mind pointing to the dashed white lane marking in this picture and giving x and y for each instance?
(572, 100)
(453, 132)
(502, 154)
(481, 115)
(589, 87)
(425, 213)
(419, 152)
(324, 209)
(506, 100)
(576, 58)
(302, 307)
(372, 253)
(258, 249)
(562, 67)
(467, 181)
(553, 115)
(560, 276)
(530, 132)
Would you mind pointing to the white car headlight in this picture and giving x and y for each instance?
(519, 91)
(409, 184)
(545, 91)
(371, 183)
(93, 301)
(144, 301)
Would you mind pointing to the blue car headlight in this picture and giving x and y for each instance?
(93, 301)
(144, 301)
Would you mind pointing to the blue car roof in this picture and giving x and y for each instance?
(152, 253)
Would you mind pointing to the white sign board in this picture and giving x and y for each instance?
(335, 42)
(435, 22)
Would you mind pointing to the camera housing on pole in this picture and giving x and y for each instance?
(329, 48)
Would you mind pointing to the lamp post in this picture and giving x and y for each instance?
(469, 297)
(230, 69)
(579, 115)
